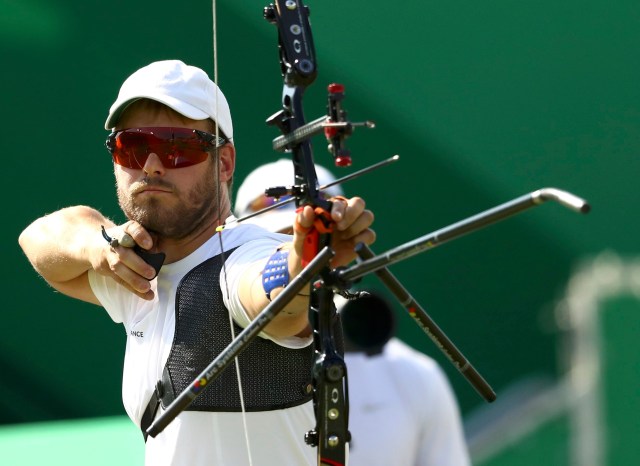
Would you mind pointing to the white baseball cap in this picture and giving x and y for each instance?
(269, 175)
(186, 89)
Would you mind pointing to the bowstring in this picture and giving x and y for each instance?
(220, 230)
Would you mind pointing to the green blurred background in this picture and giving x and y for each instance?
(483, 102)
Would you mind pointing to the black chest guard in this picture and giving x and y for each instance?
(272, 376)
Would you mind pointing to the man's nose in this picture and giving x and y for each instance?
(153, 165)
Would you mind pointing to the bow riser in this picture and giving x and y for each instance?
(298, 67)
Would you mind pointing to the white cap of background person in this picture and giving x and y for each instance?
(250, 197)
(186, 89)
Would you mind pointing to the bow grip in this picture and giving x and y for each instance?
(322, 224)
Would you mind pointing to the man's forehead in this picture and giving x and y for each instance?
(146, 112)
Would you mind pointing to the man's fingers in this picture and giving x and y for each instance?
(306, 217)
(126, 264)
(351, 226)
(360, 224)
(138, 234)
(345, 212)
(367, 237)
(147, 294)
(127, 241)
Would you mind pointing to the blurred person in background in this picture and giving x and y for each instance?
(403, 411)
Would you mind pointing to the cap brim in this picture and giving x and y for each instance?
(182, 108)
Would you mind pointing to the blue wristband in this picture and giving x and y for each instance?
(276, 272)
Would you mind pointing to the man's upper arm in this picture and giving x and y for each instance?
(78, 288)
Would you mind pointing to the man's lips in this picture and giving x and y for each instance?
(152, 190)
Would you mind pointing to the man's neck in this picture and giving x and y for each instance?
(177, 249)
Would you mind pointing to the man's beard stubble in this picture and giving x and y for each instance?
(195, 208)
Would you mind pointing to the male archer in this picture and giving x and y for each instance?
(172, 146)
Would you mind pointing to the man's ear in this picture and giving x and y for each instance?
(227, 154)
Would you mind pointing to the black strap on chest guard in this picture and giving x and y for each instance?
(273, 377)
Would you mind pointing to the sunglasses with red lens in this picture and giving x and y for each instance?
(176, 147)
